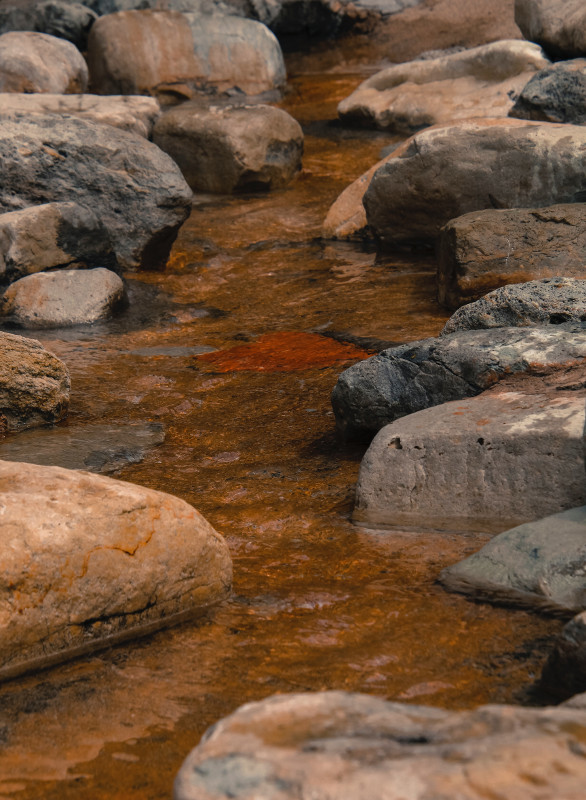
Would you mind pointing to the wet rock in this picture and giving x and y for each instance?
(555, 94)
(339, 745)
(36, 62)
(89, 561)
(34, 384)
(539, 565)
(346, 218)
(449, 171)
(232, 149)
(71, 21)
(132, 113)
(474, 83)
(63, 298)
(557, 25)
(415, 376)
(552, 301)
(51, 236)
(480, 251)
(136, 191)
(564, 672)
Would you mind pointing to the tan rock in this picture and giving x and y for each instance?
(557, 25)
(89, 560)
(37, 62)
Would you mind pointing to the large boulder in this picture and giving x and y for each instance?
(230, 148)
(71, 21)
(37, 62)
(134, 189)
(473, 83)
(34, 384)
(564, 672)
(89, 560)
(555, 94)
(482, 250)
(539, 565)
(338, 745)
(448, 171)
(557, 25)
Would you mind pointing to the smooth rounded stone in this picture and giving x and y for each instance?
(135, 189)
(37, 62)
(342, 746)
(539, 565)
(235, 52)
(449, 171)
(34, 384)
(564, 672)
(483, 250)
(473, 83)
(132, 113)
(89, 561)
(415, 376)
(50, 236)
(555, 94)
(63, 298)
(552, 301)
(71, 21)
(557, 25)
(231, 149)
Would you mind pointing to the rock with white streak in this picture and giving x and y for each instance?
(37, 62)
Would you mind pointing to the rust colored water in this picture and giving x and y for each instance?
(318, 603)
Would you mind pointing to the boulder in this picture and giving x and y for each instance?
(89, 561)
(63, 298)
(34, 384)
(37, 62)
(473, 83)
(539, 565)
(449, 171)
(339, 745)
(105, 7)
(555, 94)
(50, 236)
(415, 376)
(511, 455)
(564, 672)
(346, 218)
(71, 21)
(557, 25)
(482, 250)
(223, 148)
(552, 301)
(132, 113)
(135, 189)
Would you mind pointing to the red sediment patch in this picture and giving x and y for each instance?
(284, 352)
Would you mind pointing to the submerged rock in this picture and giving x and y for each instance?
(36, 62)
(557, 25)
(564, 672)
(555, 94)
(67, 20)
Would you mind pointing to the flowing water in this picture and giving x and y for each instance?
(231, 354)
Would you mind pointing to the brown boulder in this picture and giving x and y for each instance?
(37, 62)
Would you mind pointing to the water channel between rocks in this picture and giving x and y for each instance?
(249, 440)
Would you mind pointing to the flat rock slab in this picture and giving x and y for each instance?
(540, 565)
(482, 250)
(557, 25)
(34, 384)
(449, 171)
(223, 148)
(338, 746)
(552, 301)
(564, 672)
(555, 94)
(67, 20)
(411, 377)
(473, 83)
(90, 560)
(37, 62)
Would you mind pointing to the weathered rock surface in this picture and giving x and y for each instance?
(338, 745)
(132, 113)
(49, 236)
(90, 560)
(473, 83)
(63, 298)
(36, 62)
(551, 301)
(71, 21)
(539, 565)
(231, 149)
(482, 250)
(34, 384)
(449, 171)
(415, 376)
(136, 190)
(564, 672)
(557, 25)
(555, 94)
(104, 7)
(511, 455)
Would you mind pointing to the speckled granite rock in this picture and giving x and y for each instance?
(555, 94)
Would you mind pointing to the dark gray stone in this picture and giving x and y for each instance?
(564, 672)
(555, 94)
(71, 21)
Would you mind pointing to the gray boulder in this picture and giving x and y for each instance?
(564, 672)
(540, 565)
(555, 94)
(105, 7)
(71, 21)
(37, 62)
(135, 189)
(557, 25)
